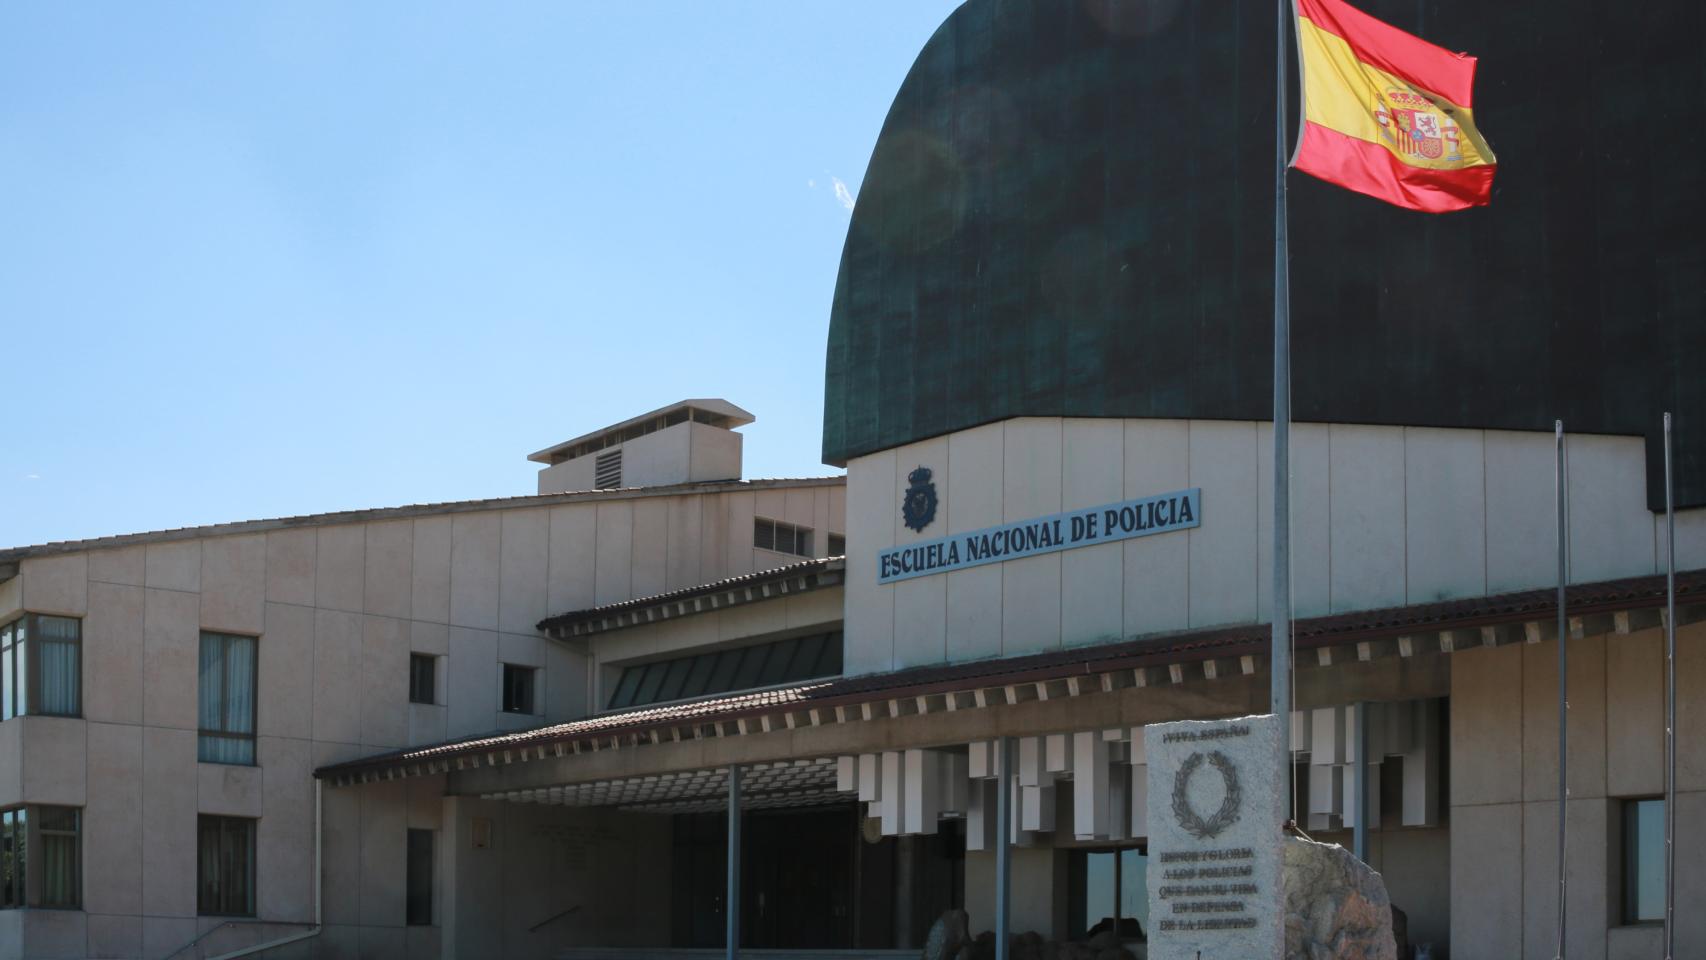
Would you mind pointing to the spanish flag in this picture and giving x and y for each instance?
(1388, 114)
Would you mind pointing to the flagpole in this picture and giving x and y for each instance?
(1670, 707)
(1280, 679)
(1561, 493)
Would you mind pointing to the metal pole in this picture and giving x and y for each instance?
(1560, 494)
(1280, 680)
(731, 895)
(1359, 833)
(1670, 707)
(1003, 848)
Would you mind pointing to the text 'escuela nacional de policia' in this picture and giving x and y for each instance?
(508, 727)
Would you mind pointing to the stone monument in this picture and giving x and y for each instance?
(1216, 819)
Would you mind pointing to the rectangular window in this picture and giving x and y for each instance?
(423, 670)
(419, 870)
(518, 688)
(227, 712)
(725, 671)
(837, 545)
(41, 667)
(1108, 890)
(41, 858)
(1643, 861)
(225, 866)
(14, 829)
(61, 857)
(781, 537)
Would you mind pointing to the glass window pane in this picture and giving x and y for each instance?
(675, 674)
(763, 534)
(751, 662)
(648, 692)
(1098, 889)
(9, 877)
(7, 675)
(1643, 860)
(1134, 893)
(61, 884)
(776, 668)
(419, 878)
(723, 672)
(21, 670)
(59, 677)
(804, 665)
(698, 674)
(830, 664)
(423, 669)
(626, 687)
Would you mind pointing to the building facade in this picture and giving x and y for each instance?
(555, 726)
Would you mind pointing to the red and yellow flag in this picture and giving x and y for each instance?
(1387, 113)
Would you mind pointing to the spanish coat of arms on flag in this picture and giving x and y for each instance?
(1388, 114)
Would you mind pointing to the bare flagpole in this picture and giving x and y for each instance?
(1560, 493)
(1670, 707)
(1280, 681)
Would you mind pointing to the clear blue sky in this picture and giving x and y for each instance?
(272, 259)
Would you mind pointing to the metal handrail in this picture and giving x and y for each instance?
(238, 921)
(555, 916)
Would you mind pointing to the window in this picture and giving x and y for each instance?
(227, 715)
(781, 537)
(724, 671)
(1644, 861)
(1109, 890)
(837, 545)
(41, 858)
(419, 879)
(41, 667)
(225, 866)
(423, 670)
(518, 688)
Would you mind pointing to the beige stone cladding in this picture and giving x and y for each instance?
(1504, 787)
(1381, 516)
(339, 603)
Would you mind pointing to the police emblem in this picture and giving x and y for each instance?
(919, 506)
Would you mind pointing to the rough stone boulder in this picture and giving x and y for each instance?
(1336, 907)
(950, 932)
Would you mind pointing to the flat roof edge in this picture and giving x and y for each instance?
(234, 528)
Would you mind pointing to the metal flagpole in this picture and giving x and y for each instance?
(1559, 494)
(1670, 708)
(731, 894)
(1280, 680)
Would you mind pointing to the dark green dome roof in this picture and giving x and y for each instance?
(1068, 213)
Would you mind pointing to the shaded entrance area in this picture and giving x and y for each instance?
(637, 867)
(811, 878)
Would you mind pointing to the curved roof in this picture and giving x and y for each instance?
(1068, 212)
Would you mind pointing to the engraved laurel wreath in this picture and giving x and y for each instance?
(1226, 816)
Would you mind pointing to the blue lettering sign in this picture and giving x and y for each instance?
(1113, 522)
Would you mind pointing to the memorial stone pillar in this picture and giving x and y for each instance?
(1216, 828)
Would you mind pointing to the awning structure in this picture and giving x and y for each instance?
(1619, 606)
(790, 580)
(800, 783)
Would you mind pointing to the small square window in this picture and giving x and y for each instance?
(423, 675)
(518, 688)
(837, 545)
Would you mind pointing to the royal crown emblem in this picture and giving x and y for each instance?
(1415, 126)
(919, 506)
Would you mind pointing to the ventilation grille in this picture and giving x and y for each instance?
(607, 470)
